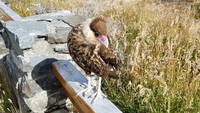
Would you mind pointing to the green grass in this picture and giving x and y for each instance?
(160, 49)
(196, 10)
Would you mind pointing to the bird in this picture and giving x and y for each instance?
(88, 45)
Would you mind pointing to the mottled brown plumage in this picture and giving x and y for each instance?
(89, 53)
(99, 25)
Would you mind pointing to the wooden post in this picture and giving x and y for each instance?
(72, 81)
(7, 14)
(76, 100)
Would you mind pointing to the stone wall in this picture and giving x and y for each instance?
(34, 43)
(3, 49)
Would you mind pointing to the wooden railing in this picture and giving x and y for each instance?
(7, 14)
(72, 81)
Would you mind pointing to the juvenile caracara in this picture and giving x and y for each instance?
(88, 47)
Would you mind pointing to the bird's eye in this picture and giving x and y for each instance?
(96, 34)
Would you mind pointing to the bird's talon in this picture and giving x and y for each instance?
(96, 96)
(104, 95)
(84, 91)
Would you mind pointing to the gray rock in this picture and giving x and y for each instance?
(36, 105)
(59, 24)
(60, 36)
(40, 51)
(30, 88)
(10, 43)
(24, 33)
(73, 20)
(61, 48)
(50, 16)
(14, 79)
(3, 49)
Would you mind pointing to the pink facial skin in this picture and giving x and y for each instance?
(103, 39)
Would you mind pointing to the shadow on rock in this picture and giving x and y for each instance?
(44, 77)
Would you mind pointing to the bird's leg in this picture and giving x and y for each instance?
(98, 93)
(87, 89)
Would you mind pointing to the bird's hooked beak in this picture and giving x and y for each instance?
(103, 39)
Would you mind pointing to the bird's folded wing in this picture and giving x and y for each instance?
(109, 57)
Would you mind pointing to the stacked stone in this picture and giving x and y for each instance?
(3, 49)
(34, 43)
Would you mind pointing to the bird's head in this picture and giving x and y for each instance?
(99, 28)
(95, 31)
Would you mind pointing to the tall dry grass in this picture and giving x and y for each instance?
(29, 7)
(160, 48)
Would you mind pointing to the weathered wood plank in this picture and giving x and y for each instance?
(4, 16)
(7, 14)
(73, 82)
(76, 100)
